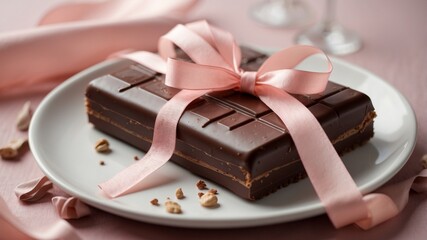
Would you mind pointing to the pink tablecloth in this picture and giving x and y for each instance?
(395, 49)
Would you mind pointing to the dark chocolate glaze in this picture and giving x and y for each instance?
(229, 137)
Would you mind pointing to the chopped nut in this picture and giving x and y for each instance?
(173, 207)
(209, 200)
(201, 185)
(102, 163)
(24, 117)
(11, 150)
(424, 161)
(8, 153)
(200, 194)
(213, 191)
(179, 193)
(155, 202)
(102, 145)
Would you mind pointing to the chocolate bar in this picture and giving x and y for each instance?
(229, 137)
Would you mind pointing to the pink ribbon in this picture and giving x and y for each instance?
(216, 67)
(389, 200)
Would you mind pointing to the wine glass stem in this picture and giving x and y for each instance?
(329, 15)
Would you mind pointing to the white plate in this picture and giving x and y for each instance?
(62, 142)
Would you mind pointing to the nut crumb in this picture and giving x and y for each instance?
(102, 163)
(136, 158)
(11, 150)
(213, 191)
(102, 145)
(424, 161)
(24, 117)
(201, 185)
(200, 194)
(173, 207)
(8, 153)
(209, 200)
(179, 193)
(155, 202)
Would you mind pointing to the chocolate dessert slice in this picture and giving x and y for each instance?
(229, 137)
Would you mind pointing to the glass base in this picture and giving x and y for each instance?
(331, 39)
(282, 13)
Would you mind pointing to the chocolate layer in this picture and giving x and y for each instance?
(229, 137)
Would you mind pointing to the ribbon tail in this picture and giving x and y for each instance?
(341, 198)
(131, 179)
(381, 208)
(392, 199)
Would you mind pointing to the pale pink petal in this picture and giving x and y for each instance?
(70, 208)
(33, 190)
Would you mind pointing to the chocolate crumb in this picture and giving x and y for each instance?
(102, 163)
(200, 194)
(136, 158)
(155, 202)
(201, 185)
(213, 191)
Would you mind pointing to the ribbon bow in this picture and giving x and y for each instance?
(216, 64)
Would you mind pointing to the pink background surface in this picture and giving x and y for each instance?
(394, 36)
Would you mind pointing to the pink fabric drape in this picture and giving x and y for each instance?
(76, 36)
